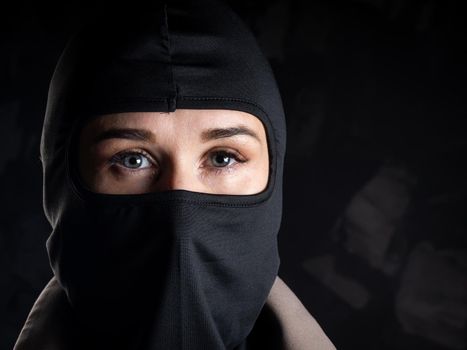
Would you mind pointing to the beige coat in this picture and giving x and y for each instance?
(48, 326)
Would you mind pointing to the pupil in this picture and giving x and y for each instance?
(221, 159)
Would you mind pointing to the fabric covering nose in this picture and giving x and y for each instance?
(173, 269)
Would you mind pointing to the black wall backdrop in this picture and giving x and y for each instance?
(374, 227)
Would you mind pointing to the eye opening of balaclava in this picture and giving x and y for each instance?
(77, 184)
(172, 269)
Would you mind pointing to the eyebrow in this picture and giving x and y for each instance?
(218, 133)
(147, 136)
(125, 133)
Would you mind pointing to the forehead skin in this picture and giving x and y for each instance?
(181, 119)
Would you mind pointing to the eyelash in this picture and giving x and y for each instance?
(118, 158)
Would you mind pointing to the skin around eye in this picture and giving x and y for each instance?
(137, 171)
(217, 161)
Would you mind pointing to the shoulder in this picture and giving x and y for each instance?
(48, 323)
(300, 331)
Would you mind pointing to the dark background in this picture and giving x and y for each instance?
(374, 228)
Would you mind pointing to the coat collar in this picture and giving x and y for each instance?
(284, 323)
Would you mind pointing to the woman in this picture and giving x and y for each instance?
(162, 150)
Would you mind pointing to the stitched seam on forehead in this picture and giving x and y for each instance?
(172, 99)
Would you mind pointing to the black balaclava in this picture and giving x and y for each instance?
(174, 269)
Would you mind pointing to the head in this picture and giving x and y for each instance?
(163, 147)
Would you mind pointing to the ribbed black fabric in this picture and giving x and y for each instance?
(173, 269)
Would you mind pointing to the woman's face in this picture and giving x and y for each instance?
(210, 151)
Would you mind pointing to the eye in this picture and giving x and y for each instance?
(223, 161)
(132, 160)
